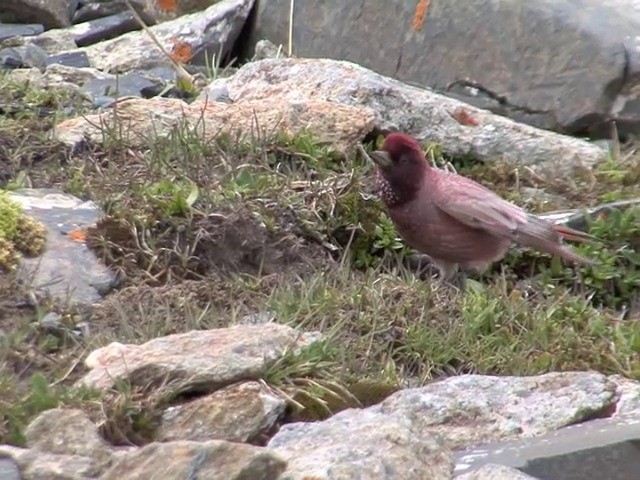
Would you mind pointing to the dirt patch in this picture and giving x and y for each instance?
(233, 239)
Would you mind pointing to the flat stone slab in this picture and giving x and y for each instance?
(601, 449)
(67, 270)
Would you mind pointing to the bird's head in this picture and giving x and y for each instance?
(402, 167)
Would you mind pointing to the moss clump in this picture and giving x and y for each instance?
(10, 213)
(19, 234)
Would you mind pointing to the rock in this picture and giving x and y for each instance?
(473, 409)
(266, 49)
(57, 74)
(340, 126)
(24, 56)
(54, 41)
(67, 270)
(628, 405)
(190, 38)
(8, 30)
(561, 65)
(238, 413)
(37, 465)
(493, 471)
(601, 448)
(95, 9)
(50, 13)
(77, 59)
(201, 360)
(576, 218)
(9, 469)
(162, 13)
(116, 86)
(12, 58)
(361, 444)
(213, 460)
(68, 432)
(421, 113)
(100, 29)
(151, 11)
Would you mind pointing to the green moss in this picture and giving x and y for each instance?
(19, 233)
(10, 212)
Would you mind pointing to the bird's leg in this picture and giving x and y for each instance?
(448, 275)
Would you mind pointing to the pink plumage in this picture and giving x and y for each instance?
(454, 220)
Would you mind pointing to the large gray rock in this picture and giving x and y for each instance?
(362, 444)
(190, 38)
(474, 409)
(339, 126)
(68, 432)
(67, 270)
(214, 460)
(558, 64)
(37, 465)
(199, 360)
(460, 129)
(238, 413)
(50, 13)
(594, 450)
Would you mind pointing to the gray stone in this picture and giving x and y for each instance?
(100, 29)
(24, 56)
(200, 360)
(12, 57)
(469, 410)
(67, 270)
(213, 460)
(492, 471)
(238, 413)
(95, 9)
(50, 13)
(595, 450)
(35, 57)
(77, 59)
(68, 432)
(361, 444)
(559, 64)
(9, 469)
(54, 41)
(58, 74)
(628, 391)
(193, 38)
(577, 218)
(129, 84)
(8, 30)
(418, 112)
(339, 126)
(37, 465)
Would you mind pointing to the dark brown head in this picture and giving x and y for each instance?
(401, 169)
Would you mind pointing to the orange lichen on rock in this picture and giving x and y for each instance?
(181, 52)
(168, 5)
(421, 14)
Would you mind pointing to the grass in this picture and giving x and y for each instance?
(205, 234)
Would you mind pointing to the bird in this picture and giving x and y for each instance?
(458, 223)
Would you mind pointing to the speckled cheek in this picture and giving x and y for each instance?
(385, 192)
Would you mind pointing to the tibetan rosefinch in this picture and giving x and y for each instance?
(454, 220)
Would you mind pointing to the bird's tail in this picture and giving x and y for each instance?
(546, 237)
(567, 233)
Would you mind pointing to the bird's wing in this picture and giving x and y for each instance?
(479, 207)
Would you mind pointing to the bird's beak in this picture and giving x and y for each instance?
(381, 157)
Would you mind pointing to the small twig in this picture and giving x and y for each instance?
(179, 68)
(290, 45)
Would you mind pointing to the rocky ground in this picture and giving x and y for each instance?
(255, 303)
